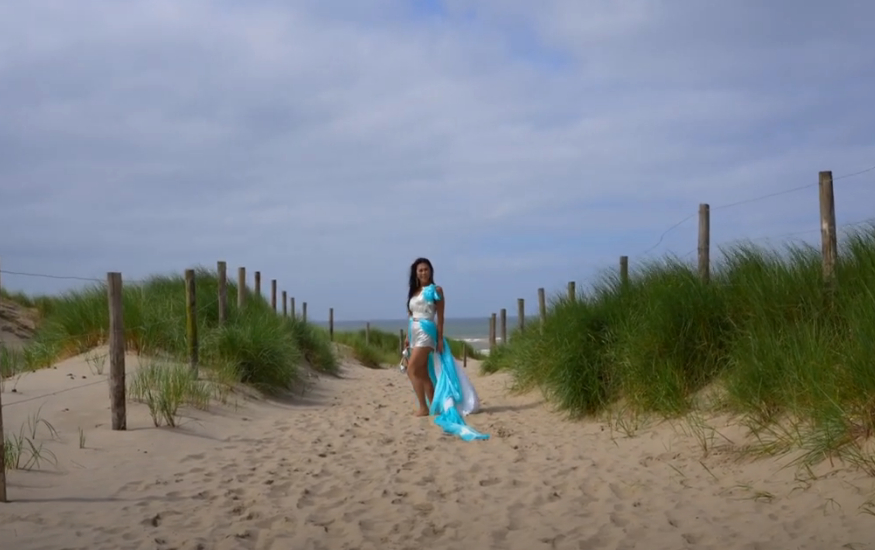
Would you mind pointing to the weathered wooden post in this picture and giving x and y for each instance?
(521, 313)
(241, 287)
(331, 323)
(116, 352)
(542, 307)
(704, 242)
(191, 319)
(222, 272)
(828, 238)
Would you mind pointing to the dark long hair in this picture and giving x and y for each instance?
(414, 280)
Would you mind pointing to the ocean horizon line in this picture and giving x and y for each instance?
(474, 330)
(484, 318)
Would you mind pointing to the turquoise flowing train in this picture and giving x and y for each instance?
(448, 389)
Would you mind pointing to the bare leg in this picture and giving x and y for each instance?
(417, 367)
(428, 386)
(419, 390)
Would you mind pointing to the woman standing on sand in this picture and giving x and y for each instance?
(441, 386)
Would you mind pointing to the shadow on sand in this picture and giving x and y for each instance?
(510, 408)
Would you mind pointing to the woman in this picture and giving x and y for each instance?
(440, 384)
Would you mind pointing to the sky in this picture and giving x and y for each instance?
(328, 143)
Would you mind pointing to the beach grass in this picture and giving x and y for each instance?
(765, 339)
(255, 346)
(39, 303)
(383, 348)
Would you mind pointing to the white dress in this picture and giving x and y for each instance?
(422, 309)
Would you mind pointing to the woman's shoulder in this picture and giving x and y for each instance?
(432, 292)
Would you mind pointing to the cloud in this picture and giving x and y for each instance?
(327, 144)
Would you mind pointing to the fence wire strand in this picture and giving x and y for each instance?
(748, 201)
(67, 338)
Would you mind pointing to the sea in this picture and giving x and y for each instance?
(474, 330)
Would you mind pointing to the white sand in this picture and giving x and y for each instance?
(347, 467)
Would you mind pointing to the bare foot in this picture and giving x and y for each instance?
(421, 412)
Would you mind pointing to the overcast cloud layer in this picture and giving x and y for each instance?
(327, 144)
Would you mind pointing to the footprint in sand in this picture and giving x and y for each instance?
(489, 482)
(306, 499)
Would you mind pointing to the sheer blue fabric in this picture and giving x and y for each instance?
(447, 389)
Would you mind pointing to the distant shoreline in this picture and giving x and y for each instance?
(474, 330)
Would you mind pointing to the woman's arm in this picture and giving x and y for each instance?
(440, 313)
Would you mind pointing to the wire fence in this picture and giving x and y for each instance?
(77, 338)
(67, 277)
(54, 393)
(755, 199)
(788, 235)
(827, 226)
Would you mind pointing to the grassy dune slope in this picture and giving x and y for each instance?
(764, 338)
(256, 346)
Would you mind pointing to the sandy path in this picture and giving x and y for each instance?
(349, 468)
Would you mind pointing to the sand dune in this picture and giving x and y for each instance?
(17, 324)
(347, 467)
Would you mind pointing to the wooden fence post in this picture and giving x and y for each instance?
(465, 355)
(222, 271)
(273, 294)
(292, 308)
(331, 323)
(521, 313)
(304, 311)
(624, 270)
(542, 307)
(241, 287)
(258, 283)
(503, 326)
(2, 450)
(492, 332)
(401, 340)
(191, 319)
(2, 442)
(828, 238)
(368, 333)
(285, 305)
(116, 352)
(705, 242)
(572, 290)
